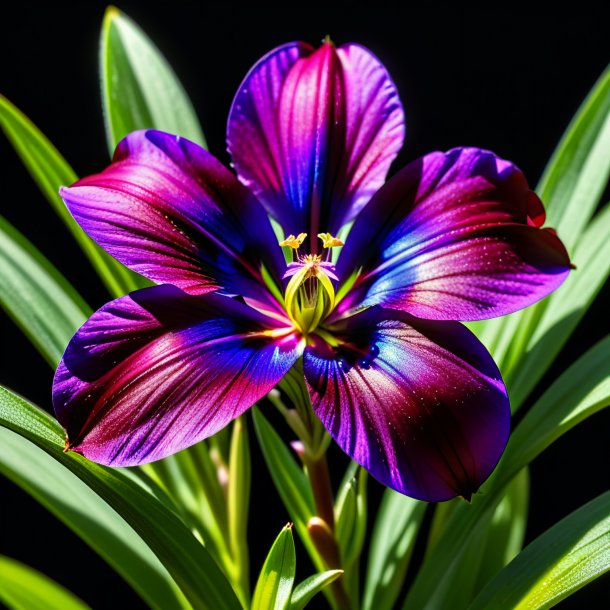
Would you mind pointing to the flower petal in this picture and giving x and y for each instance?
(419, 403)
(313, 133)
(158, 370)
(170, 211)
(454, 236)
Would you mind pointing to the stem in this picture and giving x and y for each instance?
(322, 528)
(319, 477)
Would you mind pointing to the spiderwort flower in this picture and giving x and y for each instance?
(400, 384)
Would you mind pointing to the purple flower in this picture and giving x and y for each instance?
(402, 387)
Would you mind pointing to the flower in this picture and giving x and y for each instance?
(400, 384)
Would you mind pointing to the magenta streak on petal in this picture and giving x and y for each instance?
(453, 236)
(420, 404)
(154, 372)
(170, 211)
(313, 134)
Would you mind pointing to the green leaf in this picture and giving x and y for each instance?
(183, 556)
(36, 296)
(581, 391)
(84, 512)
(139, 88)
(350, 528)
(565, 558)
(578, 171)
(289, 480)
(238, 504)
(506, 532)
(394, 535)
(571, 187)
(305, 591)
(275, 581)
(50, 171)
(287, 475)
(496, 540)
(23, 588)
(564, 310)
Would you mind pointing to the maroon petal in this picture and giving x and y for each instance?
(453, 236)
(159, 370)
(313, 133)
(420, 404)
(170, 211)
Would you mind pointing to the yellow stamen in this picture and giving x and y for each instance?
(294, 242)
(328, 241)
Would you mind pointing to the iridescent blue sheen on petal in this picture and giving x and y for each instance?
(156, 371)
(453, 236)
(420, 404)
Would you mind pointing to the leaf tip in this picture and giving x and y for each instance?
(112, 13)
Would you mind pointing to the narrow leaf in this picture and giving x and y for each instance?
(287, 475)
(289, 480)
(305, 591)
(565, 558)
(274, 586)
(238, 504)
(570, 188)
(51, 171)
(139, 88)
(506, 532)
(564, 310)
(36, 296)
(579, 169)
(183, 556)
(23, 588)
(495, 541)
(394, 535)
(85, 513)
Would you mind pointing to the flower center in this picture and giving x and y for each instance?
(310, 294)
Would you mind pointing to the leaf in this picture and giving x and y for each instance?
(36, 296)
(392, 541)
(139, 88)
(571, 187)
(84, 512)
(566, 557)
(506, 532)
(171, 541)
(23, 588)
(305, 591)
(578, 171)
(564, 310)
(275, 581)
(238, 504)
(495, 541)
(51, 171)
(581, 391)
(350, 529)
(289, 480)
(287, 475)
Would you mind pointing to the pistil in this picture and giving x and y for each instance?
(310, 294)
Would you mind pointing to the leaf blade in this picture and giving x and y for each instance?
(50, 171)
(274, 586)
(139, 88)
(566, 557)
(392, 541)
(54, 310)
(23, 588)
(304, 592)
(185, 558)
(82, 510)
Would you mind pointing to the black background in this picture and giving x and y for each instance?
(500, 80)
